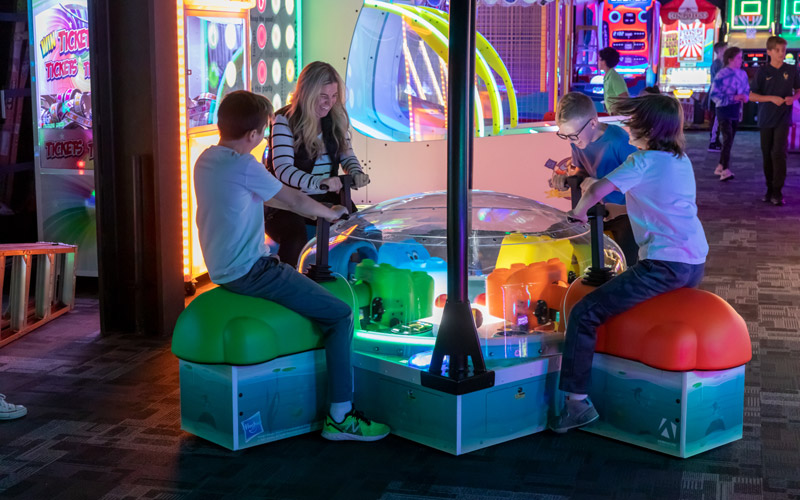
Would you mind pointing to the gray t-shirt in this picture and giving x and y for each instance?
(231, 189)
(660, 195)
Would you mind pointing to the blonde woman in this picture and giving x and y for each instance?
(308, 141)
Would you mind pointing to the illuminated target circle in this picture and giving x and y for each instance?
(261, 36)
(261, 72)
(276, 72)
(614, 16)
(230, 36)
(290, 70)
(290, 37)
(276, 6)
(213, 35)
(276, 37)
(289, 7)
(276, 101)
(230, 74)
(261, 4)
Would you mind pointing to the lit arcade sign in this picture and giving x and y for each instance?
(745, 14)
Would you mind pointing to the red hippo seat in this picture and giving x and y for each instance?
(683, 330)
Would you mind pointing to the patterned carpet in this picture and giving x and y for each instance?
(103, 417)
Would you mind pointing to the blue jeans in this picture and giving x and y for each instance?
(642, 281)
(278, 282)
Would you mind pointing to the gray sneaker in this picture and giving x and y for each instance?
(575, 413)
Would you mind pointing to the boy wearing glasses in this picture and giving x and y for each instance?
(597, 149)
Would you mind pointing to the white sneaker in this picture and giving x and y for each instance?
(726, 175)
(9, 411)
(718, 170)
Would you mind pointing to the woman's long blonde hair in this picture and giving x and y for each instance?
(303, 120)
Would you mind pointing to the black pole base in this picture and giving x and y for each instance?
(320, 274)
(448, 385)
(458, 339)
(597, 276)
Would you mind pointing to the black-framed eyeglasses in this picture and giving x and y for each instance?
(573, 137)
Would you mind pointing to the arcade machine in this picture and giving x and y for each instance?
(218, 54)
(473, 364)
(586, 78)
(789, 28)
(630, 27)
(688, 33)
(63, 155)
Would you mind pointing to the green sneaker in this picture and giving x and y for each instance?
(354, 427)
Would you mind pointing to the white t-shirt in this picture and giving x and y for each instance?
(231, 189)
(660, 195)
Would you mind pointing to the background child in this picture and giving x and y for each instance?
(614, 85)
(775, 88)
(597, 149)
(659, 188)
(714, 143)
(728, 92)
(232, 187)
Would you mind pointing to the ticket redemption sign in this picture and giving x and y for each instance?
(629, 27)
(62, 107)
(688, 34)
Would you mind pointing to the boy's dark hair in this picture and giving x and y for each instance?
(774, 41)
(720, 45)
(610, 56)
(651, 90)
(242, 111)
(658, 118)
(729, 54)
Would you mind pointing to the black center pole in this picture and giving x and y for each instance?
(458, 337)
(320, 271)
(598, 272)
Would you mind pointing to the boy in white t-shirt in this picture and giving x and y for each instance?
(659, 187)
(231, 188)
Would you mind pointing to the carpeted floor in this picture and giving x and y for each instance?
(104, 420)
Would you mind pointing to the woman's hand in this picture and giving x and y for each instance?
(582, 217)
(336, 212)
(331, 184)
(360, 180)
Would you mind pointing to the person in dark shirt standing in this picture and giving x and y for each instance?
(714, 143)
(775, 88)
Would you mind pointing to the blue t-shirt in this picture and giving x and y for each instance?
(660, 191)
(604, 155)
(231, 189)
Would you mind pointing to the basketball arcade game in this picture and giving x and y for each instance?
(632, 27)
(217, 40)
(62, 107)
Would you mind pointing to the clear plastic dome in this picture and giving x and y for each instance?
(522, 256)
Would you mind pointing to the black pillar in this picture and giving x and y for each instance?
(458, 337)
(137, 164)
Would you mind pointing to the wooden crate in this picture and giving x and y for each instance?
(54, 289)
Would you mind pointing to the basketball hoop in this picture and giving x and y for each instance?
(750, 22)
(794, 27)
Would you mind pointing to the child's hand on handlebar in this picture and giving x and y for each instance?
(337, 212)
(331, 184)
(360, 180)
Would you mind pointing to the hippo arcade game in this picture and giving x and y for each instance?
(461, 299)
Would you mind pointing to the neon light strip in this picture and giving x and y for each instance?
(481, 68)
(299, 41)
(396, 339)
(494, 61)
(431, 73)
(183, 141)
(413, 67)
(411, 127)
(220, 4)
(425, 27)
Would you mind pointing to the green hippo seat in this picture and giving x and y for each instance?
(251, 371)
